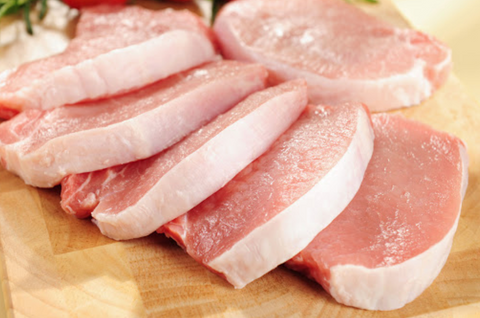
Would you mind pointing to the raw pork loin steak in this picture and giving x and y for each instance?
(393, 239)
(117, 49)
(134, 200)
(43, 147)
(344, 54)
(273, 209)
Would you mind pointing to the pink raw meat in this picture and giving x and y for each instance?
(273, 208)
(393, 239)
(44, 146)
(344, 54)
(117, 49)
(134, 200)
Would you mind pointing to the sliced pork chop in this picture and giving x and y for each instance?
(393, 239)
(273, 208)
(134, 200)
(344, 54)
(42, 147)
(103, 20)
(117, 49)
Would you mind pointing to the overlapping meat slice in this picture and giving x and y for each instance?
(117, 49)
(134, 200)
(393, 239)
(272, 209)
(44, 146)
(344, 54)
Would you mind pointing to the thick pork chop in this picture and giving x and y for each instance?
(273, 208)
(344, 54)
(135, 199)
(42, 147)
(117, 49)
(393, 239)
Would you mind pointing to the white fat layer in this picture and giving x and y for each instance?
(379, 94)
(137, 138)
(391, 287)
(446, 63)
(290, 231)
(206, 170)
(118, 70)
(4, 75)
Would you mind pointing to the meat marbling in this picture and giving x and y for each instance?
(272, 209)
(116, 49)
(344, 54)
(134, 200)
(43, 147)
(393, 239)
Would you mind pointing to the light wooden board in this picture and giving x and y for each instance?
(54, 265)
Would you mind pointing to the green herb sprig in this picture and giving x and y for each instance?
(216, 5)
(9, 7)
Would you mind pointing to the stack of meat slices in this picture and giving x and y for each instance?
(164, 135)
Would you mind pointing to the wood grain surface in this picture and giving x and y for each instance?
(54, 265)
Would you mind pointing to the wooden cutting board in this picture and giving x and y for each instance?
(57, 266)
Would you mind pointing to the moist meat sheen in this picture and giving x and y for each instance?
(273, 208)
(116, 49)
(393, 239)
(44, 146)
(133, 200)
(344, 54)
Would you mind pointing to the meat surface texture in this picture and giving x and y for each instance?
(344, 54)
(272, 209)
(134, 200)
(117, 49)
(42, 147)
(393, 239)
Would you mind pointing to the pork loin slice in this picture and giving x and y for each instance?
(117, 49)
(393, 239)
(134, 200)
(42, 147)
(344, 54)
(273, 208)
